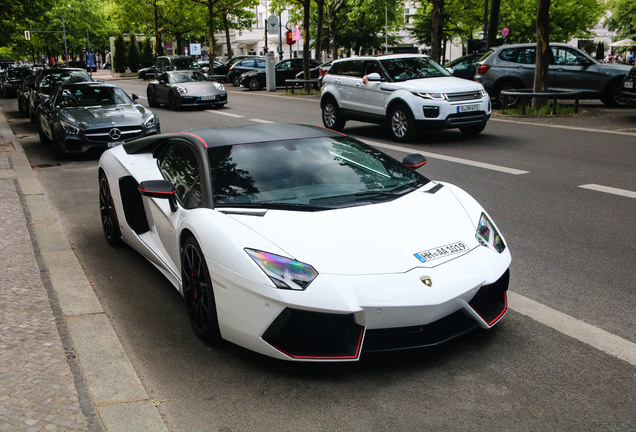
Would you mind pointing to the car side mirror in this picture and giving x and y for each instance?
(134, 97)
(162, 189)
(375, 77)
(162, 82)
(414, 160)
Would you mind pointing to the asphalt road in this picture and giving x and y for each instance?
(553, 363)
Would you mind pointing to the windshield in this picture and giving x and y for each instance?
(19, 73)
(92, 96)
(408, 68)
(187, 76)
(317, 173)
(184, 64)
(55, 79)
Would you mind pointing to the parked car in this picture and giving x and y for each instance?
(47, 80)
(404, 91)
(284, 69)
(92, 115)
(464, 66)
(23, 94)
(6, 64)
(146, 73)
(185, 88)
(217, 66)
(629, 88)
(511, 67)
(271, 235)
(12, 78)
(242, 66)
(316, 72)
(174, 63)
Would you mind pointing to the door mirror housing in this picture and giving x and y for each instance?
(162, 189)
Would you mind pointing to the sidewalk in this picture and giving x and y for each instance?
(62, 367)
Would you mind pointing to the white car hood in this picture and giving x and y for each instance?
(371, 239)
(436, 85)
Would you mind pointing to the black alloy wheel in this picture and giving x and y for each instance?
(108, 214)
(198, 293)
(152, 102)
(254, 84)
(172, 102)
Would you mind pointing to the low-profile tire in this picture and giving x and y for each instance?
(401, 123)
(254, 84)
(152, 102)
(172, 102)
(331, 116)
(613, 96)
(198, 293)
(43, 138)
(473, 129)
(110, 224)
(235, 81)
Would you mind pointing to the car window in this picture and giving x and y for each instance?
(408, 68)
(523, 55)
(92, 96)
(567, 57)
(260, 63)
(352, 68)
(284, 65)
(187, 76)
(180, 166)
(305, 172)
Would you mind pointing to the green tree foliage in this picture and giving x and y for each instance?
(134, 57)
(120, 56)
(623, 19)
(147, 56)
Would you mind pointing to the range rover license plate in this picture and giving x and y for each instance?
(467, 108)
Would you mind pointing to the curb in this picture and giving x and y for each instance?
(118, 397)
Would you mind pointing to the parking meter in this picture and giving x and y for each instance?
(270, 71)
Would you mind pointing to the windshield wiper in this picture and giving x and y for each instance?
(374, 193)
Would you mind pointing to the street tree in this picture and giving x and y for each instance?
(623, 19)
(542, 57)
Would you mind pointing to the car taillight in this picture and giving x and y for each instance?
(323, 72)
(482, 69)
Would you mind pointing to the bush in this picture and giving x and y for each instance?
(134, 59)
(120, 56)
(147, 56)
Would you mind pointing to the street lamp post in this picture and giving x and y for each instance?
(65, 48)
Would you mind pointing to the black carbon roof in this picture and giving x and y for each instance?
(217, 137)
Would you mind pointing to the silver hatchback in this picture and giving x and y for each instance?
(511, 67)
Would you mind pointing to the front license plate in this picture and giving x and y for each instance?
(208, 98)
(467, 108)
(441, 251)
(629, 84)
(114, 144)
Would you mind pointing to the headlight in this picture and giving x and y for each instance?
(219, 86)
(182, 90)
(284, 272)
(487, 234)
(483, 93)
(151, 121)
(69, 128)
(432, 96)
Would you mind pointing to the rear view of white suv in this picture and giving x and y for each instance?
(406, 92)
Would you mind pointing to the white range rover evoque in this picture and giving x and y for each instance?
(404, 91)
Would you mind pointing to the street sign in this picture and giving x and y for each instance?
(27, 35)
(195, 48)
(504, 32)
(272, 23)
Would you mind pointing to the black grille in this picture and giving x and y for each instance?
(490, 301)
(462, 96)
(103, 135)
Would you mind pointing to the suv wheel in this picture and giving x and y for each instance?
(613, 96)
(401, 123)
(512, 100)
(331, 116)
(254, 84)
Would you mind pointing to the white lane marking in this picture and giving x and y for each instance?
(225, 113)
(576, 128)
(570, 326)
(609, 190)
(261, 121)
(451, 159)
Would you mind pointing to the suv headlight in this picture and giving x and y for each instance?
(483, 93)
(431, 96)
(284, 272)
(69, 128)
(487, 234)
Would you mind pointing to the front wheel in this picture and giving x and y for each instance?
(613, 97)
(254, 84)
(401, 123)
(198, 293)
(152, 102)
(473, 130)
(331, 116)
(172, 102)
(108, 214)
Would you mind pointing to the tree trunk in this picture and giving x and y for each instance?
(493, 23)
(436, 25)
(542, 61)
(228, 42)
(212, 43)
(306, 51)
(319, 24)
